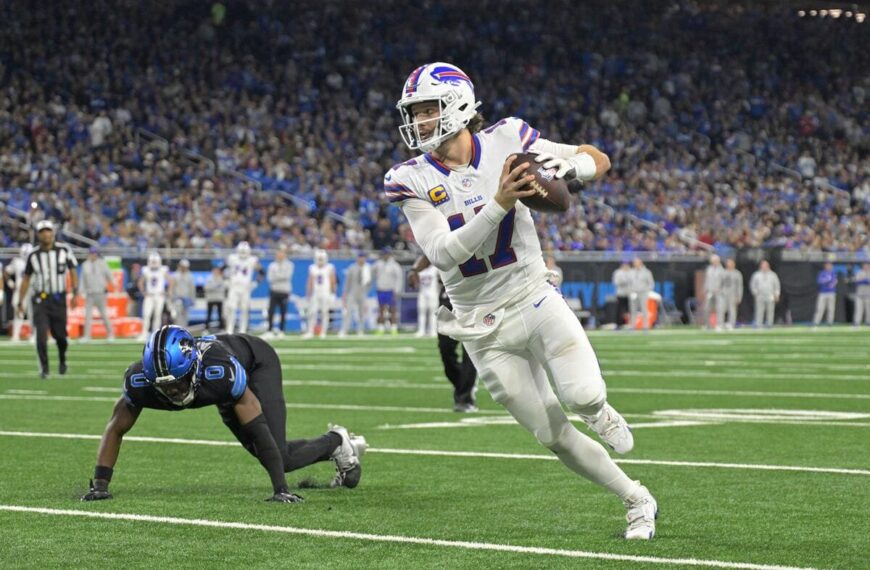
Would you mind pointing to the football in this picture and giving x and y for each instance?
(551, 193)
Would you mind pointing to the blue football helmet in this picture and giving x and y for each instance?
(170, 359)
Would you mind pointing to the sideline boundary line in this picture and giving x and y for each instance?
(391, 538)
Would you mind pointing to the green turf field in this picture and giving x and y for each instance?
(756, 445)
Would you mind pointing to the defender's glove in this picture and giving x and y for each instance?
(99, 490)
(285, 496)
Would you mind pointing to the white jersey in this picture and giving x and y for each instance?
(15, 269)
(321, 279)
(155, 279)
(241, 271)
(511, 256)
(429, 286)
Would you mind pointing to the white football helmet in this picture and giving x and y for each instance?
(320, 257)
(243, 249)
(25, 250)
(154, 261)
(451, 89)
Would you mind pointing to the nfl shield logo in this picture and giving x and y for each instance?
(489, 320)
(466, 182)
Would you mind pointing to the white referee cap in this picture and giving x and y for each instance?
(44, 225)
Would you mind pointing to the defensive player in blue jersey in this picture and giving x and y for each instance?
(241, 375)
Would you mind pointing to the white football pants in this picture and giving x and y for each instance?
(319, 305)
(238, 299)
(540, 341)
(427, 305)
(152, 312)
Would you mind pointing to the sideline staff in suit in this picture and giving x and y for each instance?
(47, 268)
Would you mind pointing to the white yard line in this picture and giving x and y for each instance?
(292, 405)
(421, 541)
(748, 393)
(385, 384)
(738, 373)
(469, 454)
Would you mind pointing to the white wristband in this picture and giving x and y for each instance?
(584, 166)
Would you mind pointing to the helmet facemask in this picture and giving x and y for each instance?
(179, 391)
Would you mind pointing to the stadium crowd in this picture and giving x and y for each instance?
(732, 124)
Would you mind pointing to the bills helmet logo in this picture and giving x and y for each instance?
(451, 75)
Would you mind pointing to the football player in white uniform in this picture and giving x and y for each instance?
(461, 200)
(427, 301)
(320, 292)
(15, 272)
(155, 284)
(243, 269)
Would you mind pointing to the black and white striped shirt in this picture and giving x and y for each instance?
(48, 269)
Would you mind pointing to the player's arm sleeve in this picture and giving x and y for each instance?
(445, 248)
(255, 427)
(554, 148)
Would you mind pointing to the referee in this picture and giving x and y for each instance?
(47, 267)
(461, 373)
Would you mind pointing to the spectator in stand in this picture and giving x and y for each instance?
(696, 162)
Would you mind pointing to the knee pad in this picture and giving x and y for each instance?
(586, 398)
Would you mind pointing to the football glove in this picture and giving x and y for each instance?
(98, 491)
(580, 166)
(285, 497)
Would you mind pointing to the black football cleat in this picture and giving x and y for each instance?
(62, 369)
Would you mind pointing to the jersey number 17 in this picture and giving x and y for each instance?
(503, 255)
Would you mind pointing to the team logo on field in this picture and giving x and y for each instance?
(438, 195)
(489, 320)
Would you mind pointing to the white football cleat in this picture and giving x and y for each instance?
(641, 516)
(346, 457)
(612, 428)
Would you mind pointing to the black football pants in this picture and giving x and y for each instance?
(265, 382)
